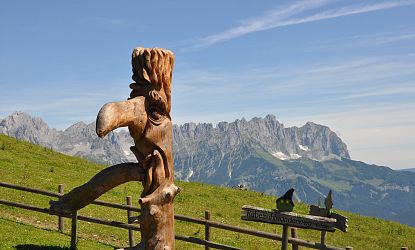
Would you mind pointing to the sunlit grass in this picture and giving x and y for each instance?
(21, 236)
(26, 164)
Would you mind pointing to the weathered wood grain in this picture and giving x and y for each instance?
(288, 218)
(146, 113)
(341, 221)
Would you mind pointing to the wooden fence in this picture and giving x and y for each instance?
(207, 222)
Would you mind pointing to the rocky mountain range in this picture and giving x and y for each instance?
(79, 139)
(191, 141)
(311, 141)
(260, 154)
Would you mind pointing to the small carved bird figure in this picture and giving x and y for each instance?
(328, 202)
(285, 203)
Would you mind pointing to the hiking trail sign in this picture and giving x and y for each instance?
(288, 218)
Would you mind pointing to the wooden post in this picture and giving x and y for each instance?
(284, 241)
(129, 215)
(73, 230)
(294, 235)
(60, 219)
(207, 228)
(323, 238)
(146, 113)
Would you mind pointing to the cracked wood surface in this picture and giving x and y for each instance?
(147, 115)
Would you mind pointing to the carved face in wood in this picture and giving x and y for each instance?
(146, 112)
(147, 115)
(152, 73)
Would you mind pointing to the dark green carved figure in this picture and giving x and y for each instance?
(285, 203)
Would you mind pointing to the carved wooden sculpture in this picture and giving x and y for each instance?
(147, 115)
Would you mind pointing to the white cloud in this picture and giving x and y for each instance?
(262, 23)
(362, 41)
(288, 15)
(369, 100)
(382, 134)
(339, 79)
(385, 91)
(62, 105)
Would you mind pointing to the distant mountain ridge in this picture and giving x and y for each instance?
(408, 170)
(260, 154)
(238, 154)
(79, 139)
(312, 141)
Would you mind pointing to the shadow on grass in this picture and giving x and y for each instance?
(41, 247)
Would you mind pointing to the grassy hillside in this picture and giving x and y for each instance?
(26, 237)
(357, 187)
(30, 165)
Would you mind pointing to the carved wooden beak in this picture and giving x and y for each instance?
(114, 115)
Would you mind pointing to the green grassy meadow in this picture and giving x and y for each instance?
(29, 165)
(17, 235)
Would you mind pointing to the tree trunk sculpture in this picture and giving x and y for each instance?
(147, 115)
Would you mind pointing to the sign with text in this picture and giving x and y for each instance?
(341, 221)
(288, 218)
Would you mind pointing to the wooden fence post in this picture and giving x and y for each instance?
(60, 219)
(323, 238)
(129, 215)
(73, 230)
(284, 241)
(294, 235)
(207, 228)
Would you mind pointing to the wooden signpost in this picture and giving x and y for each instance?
(288, 218)
(321, 219)
(341, 221)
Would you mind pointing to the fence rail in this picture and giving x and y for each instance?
(207, 222)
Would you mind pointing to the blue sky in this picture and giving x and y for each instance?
(349, 65)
